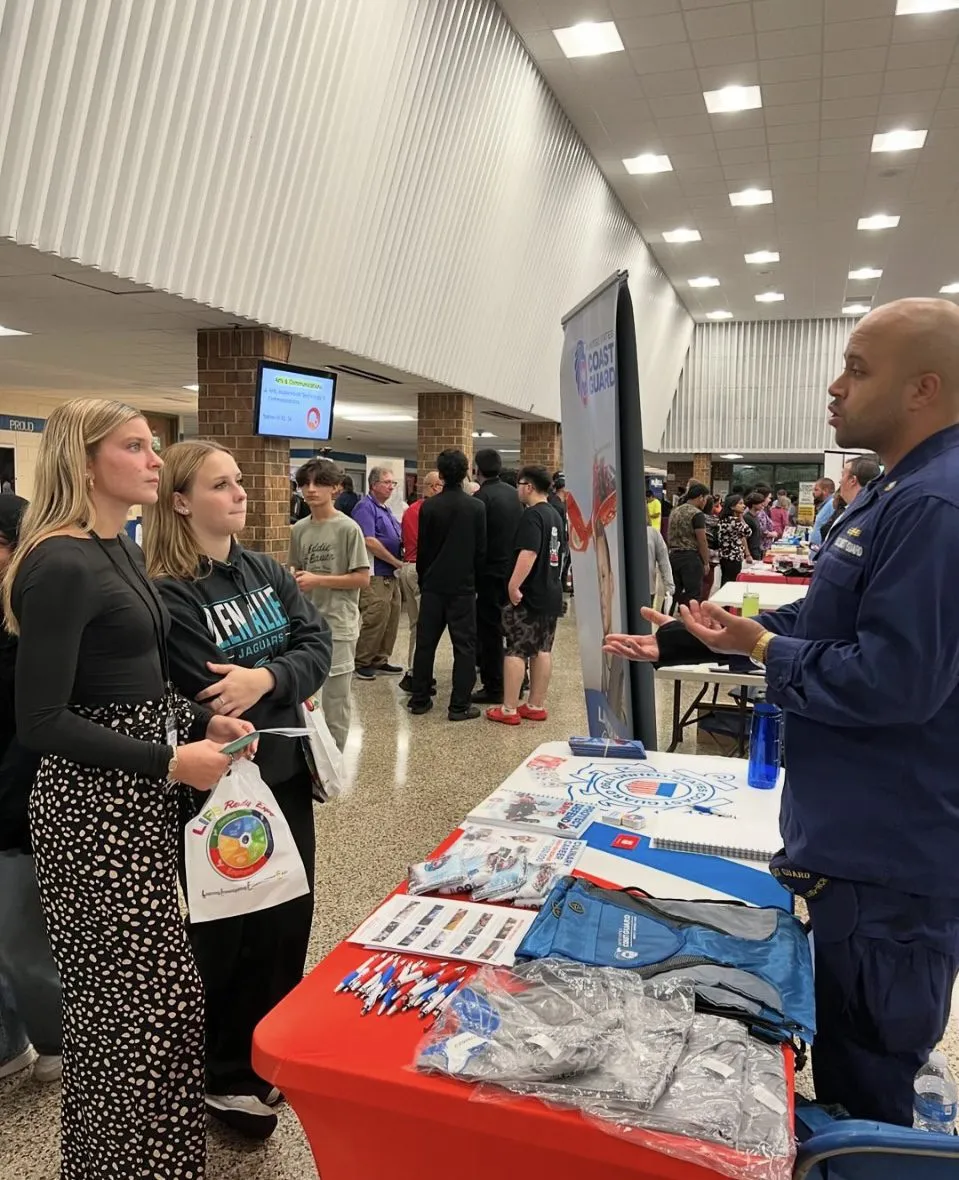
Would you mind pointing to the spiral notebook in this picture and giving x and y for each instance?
(714, 835)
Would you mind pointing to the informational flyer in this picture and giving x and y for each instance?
(446, 929)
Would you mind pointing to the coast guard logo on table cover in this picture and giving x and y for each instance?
(648, 789)
(580, 370)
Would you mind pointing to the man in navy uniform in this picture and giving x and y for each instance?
(866, 671)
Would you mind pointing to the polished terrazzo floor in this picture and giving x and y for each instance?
(414, 778)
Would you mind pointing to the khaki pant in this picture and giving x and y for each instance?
(410, 595)
(380, 615)
(337, 691)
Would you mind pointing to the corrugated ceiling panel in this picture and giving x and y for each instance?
(390, 176)
(757, 386)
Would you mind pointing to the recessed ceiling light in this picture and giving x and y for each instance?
(949, 289)
(865, 272)
(879, 221)
(646, 163)
(761, 256)
(359, 417)
(192, 388)
(770, 297)
(12, 332)
(732, 98)
(483, 434)
(752, 196)
(589, 39)
(682, 235)
(912, 7)
(856, 309)
(898, 141)
(504, 451)
(720, 314)
(730, 456)
(704, 281)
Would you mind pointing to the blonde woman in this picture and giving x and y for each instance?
(93, 696)
(247, 643)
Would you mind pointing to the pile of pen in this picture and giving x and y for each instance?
(395, 983)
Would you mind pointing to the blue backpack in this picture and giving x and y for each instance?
(749, 964)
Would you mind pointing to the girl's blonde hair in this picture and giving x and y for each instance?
(169, 542)
(61, 497)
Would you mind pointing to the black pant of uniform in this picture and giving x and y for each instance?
(730, 569)
(687, 568)
(249, 963)
(886, 963)
(438, 612)
(491, 597)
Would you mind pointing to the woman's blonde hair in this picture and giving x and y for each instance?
(61, 497)
(169, 541)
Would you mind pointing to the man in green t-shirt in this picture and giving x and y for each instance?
(331, 565)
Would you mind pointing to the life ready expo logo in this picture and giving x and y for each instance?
(594, 365)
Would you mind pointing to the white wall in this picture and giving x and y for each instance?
(392, 177)
(757, 387)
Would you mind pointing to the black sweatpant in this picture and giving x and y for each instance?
(730, 570)
(687, 567)
(439, 612)
(491, 597)
(249, 963)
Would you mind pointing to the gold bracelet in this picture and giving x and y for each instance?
(172, 768)
(758, 654)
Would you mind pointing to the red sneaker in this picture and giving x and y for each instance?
(497, 714)
(530, 714)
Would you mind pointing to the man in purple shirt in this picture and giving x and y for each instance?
(380, 601)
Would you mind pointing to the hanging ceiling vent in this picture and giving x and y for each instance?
(354, 372)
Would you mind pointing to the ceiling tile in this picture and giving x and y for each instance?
(571, 12)
(853, 86)
(627, 8)
(851, 145)
(839, 128)
(686, 162)
(949, 97)
(671, 82)
(854, 61)
(908, 109)
(785, 93)
(786, 14)
(740, 137)
(792, 132)
(693, 143)
(790, 42)
(790, 69)
(793, 151)
(933, 26)
(858, 34)
(803, 112)
(661, 59)
(700, 175)
(675, 105)
(643, 32)
(694, 5)
(543, 46)
(922, 54)
(904, 81)
(722, 51)
(850, 108)
(729, 21)
(794, 167)
(687, 125)
(743, 73)
(843, 10)
(843, 163)
(743, 155)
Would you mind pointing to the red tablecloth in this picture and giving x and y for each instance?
(369, 1116)
(771, 576)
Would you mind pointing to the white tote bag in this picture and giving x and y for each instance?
(329, 776)
(240, 853)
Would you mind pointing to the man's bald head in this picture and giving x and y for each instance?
(901, 380)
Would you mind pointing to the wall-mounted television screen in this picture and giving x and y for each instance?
(292, 402)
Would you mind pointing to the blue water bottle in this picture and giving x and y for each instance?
(765, 746)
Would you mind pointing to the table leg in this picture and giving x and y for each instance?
(743, 711)
(677, 728)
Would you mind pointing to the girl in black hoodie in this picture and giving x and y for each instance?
(246, 643)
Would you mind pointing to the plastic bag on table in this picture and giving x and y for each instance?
(504, 872)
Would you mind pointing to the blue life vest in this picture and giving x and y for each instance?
(746, 963)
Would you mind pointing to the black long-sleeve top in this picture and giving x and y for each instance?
(503, 514)
(89, 628)
(451, 548)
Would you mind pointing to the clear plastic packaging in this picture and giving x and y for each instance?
(507, 872)
(633, 1056)
(444, 874)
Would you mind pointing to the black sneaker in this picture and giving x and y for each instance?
(364, 673)
(243, 1113)
(469, 714)
(406, 684)
(485, 697)
(420, 707)
(390, 669)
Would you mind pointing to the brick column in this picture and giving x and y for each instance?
(226, 372)
(444, 420)
(541, 445)
(703, 468)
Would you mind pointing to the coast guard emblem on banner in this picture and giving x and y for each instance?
(580, 370)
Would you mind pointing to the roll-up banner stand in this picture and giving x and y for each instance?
(605, 480)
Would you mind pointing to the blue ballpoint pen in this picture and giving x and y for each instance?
(347, 980)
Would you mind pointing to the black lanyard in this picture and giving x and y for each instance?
(145, 591)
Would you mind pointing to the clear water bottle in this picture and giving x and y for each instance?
(765, 746)
(934, 1097)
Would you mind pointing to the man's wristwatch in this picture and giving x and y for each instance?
(172, 768)
(758, 654)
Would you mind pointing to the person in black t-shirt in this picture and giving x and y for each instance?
(535, 601)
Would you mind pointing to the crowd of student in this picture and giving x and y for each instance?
(123, 674)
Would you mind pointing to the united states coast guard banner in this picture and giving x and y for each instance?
(603, 465)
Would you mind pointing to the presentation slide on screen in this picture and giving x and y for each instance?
(295, 405)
